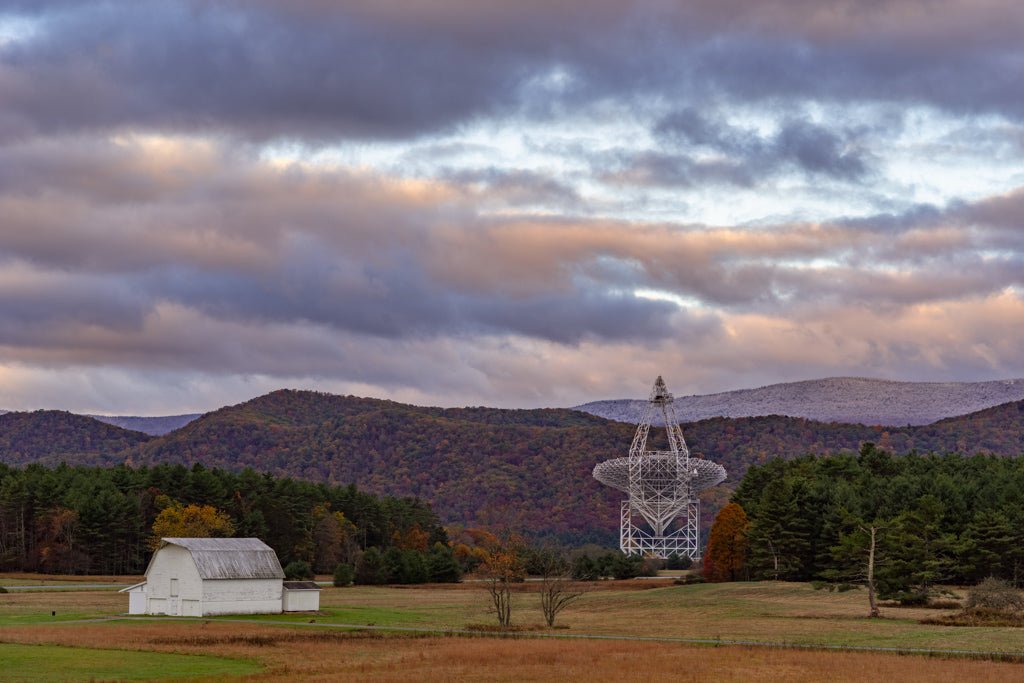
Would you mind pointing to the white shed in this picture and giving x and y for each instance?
(197, 577)
(301, 596)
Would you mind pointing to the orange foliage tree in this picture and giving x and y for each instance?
(502, 567)
(190, 521)
(726, 556)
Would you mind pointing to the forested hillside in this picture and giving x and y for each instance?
(53, 436)
(100, 520)
(528, 469)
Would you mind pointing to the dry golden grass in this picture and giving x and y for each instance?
(290, 654)
(36, 606)
(778, 612)
(23, 578)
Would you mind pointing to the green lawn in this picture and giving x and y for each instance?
(42, 663)
(361, 615)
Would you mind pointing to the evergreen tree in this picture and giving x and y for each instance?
(920, 553)
(442, 566)
(371, 569)
(988, 546)
(778, 544)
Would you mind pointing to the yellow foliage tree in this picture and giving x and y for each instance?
(190, 521)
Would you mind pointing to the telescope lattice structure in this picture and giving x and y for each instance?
(662, 487)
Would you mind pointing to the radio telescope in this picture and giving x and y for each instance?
(662, 487)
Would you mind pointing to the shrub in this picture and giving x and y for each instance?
(678, 562)
(584, 569)
(2, 589)
(995, 594)
(689, 579)
(298, 570)
(622, 566)
(344, 574)
(370, 569)
(442, 565)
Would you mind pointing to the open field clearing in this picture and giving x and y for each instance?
(757, 612)
(766, 612)
(25, 578)
(319, 655)
(43, 663)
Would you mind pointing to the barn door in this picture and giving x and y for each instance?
(174, 602)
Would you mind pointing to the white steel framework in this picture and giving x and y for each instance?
(662, 487)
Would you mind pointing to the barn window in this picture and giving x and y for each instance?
(174, 588)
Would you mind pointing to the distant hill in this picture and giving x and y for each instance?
(525, 469)
(54, 436)
(836, 399)
(154, 426)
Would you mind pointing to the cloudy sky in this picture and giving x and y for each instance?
(511, 203)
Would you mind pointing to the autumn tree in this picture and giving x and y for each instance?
(58, 551)
(502, 567)
(333, 539)
(190, 521)
(726, 556)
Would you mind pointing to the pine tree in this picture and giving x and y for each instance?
(777, 546)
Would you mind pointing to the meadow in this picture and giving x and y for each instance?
(439, 633)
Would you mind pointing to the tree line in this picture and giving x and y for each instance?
(96, 520)
(902, 524)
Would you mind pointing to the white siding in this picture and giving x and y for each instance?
(137, 600)
(241, 596)
(175, 584)
(301, 601)
(172, 562)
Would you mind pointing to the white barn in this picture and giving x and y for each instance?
(198, 577)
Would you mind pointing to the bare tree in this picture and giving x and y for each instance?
(556, 593)
(500, 569)
(557, 589)
(860, 549)
(869, 571)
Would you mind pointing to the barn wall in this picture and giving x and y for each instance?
(241, 596)
(172, 562)
(301, 601)
(137, 600)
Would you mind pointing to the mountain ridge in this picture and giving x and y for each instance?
(853, 400)
(523, 469)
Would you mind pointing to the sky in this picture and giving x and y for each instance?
(512, 203)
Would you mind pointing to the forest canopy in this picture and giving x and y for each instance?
(95, 520)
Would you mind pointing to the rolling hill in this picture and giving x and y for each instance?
(525, 469)
(54, 436)
(836, 399)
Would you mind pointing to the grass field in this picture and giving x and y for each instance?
(767, 612)
(43, 663)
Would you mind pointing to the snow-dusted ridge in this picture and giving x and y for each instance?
(834, 399)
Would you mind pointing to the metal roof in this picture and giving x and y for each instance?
(301, 586)
(231, 558)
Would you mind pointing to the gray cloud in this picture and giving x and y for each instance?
(325, 70)
(146, 224)
(812, 148)
(240, 241)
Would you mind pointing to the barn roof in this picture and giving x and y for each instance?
(301, 586)
(231, 558)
